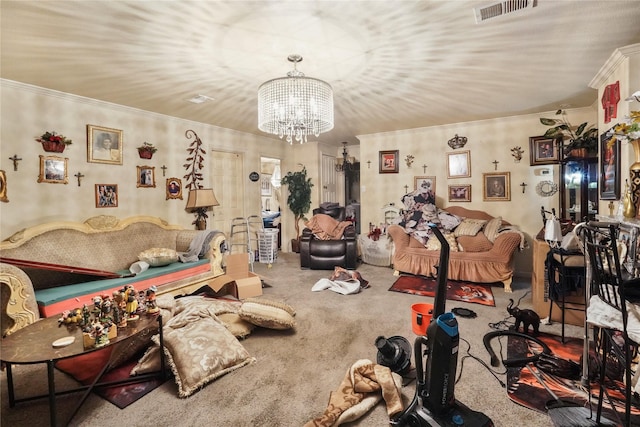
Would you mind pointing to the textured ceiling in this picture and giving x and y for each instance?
(392, 64)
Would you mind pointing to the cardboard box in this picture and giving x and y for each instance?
(248, 284)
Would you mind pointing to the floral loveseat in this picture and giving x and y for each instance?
(106, 244)
(481, 246)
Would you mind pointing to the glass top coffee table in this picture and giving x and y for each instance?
(34, 344)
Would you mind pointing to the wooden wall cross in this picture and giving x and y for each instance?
(164, 170)
(524, 186)
(15, 160)
(368, 164)
(79, 175)
(495, 165)
(406, 189)
(424, 168)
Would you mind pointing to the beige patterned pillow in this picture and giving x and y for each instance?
(492, 227)
(477, 243)
(238, 327)
(266, 316)
(157, 257)
(201, 351)
(469, 227)
(433, 244)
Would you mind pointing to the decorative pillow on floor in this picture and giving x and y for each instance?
(236, 325)
(266, 315)
(273, 303)
(201, 350)
(157, 257)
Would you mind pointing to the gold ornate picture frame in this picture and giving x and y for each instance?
(174, 188)
(3, 187)
(106, 195)
(146, 176)
(104, 145)
(459, 164)
(496, 186)
(460, 193)
(53, 170)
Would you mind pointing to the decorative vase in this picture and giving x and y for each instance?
(628, 206)
(53, 146)
(144, 154)
(634, 173)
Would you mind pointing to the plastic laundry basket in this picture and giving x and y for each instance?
(268, 245)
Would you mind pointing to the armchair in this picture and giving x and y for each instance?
(318, 254)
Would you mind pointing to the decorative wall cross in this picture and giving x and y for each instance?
(79, 175)
(15, 160)
(406, 189)
(495, 165)
(524, 186)
(164, 170)
(424, 168)
(368, 164)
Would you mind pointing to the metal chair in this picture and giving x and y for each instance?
(609, 284)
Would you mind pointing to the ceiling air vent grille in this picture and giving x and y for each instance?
(501, 8)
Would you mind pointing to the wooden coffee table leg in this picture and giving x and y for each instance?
(52, 392)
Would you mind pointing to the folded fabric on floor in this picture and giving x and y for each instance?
(345, 282)
(364, 384)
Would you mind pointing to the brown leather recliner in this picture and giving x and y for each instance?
(319, 254)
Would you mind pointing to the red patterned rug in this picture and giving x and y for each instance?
(456, 290)
(524, 389)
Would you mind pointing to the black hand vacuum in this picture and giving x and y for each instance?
(434, 403)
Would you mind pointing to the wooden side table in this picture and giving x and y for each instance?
(33, 344)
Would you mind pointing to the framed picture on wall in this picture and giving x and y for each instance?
(425, 184)
(53, 169)
(3, 187)
(106, 195)
(609, 168)
(146, 176)
(544, 150)
(496, 186)
(174, 188)
(460, 193)
(388, 161)
(459, 164)
(104, 145)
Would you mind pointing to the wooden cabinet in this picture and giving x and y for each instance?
(579, 188)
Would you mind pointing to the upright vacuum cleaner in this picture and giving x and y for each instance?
(434, 403)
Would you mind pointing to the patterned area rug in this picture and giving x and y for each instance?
(86, 367)
(456, 290)
(524, 389)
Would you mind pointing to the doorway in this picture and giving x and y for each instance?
(270, 193)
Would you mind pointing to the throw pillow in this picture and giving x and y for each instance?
(477, 243)
(201, 351)
(266, 316)
(492, 228)
(469, 227)
(433, 244)
(157, 257)
(238, 327)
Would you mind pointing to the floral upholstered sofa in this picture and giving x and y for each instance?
(481, 246)
(94, 257)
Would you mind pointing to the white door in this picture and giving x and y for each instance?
(331, 184)
(226, 181)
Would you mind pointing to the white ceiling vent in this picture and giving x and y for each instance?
(500, 8)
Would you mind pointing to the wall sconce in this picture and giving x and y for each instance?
(346, 162)
(199, 201)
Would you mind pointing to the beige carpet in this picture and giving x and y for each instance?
(296, 370)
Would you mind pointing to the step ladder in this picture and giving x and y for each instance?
(244, 236)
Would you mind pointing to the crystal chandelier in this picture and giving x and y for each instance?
(295, 106)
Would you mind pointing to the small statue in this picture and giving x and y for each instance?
(106, 307)
(119, 309)
(100, 334)
(525, 317)
(152, 305)
(86, 316)
(97, 302)
(132, 303)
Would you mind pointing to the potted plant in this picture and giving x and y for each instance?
(53, 142)
(299, 200)
(582, 142)
(146, 150)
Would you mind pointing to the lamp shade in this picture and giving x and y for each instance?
(201, 198)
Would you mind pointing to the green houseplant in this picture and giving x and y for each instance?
(583, 137)
(299, 200)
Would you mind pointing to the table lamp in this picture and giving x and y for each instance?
(199, 201)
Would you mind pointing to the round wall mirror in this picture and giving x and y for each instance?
(546, 188)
